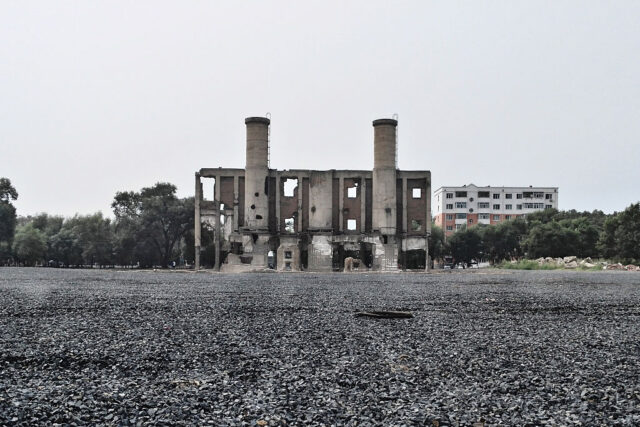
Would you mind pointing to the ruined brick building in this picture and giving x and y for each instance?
(311, 219)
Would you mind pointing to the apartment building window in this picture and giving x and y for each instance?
(461, 194)
(483, 194)
(449, 217)
(527, 194)
(459, 226)
(548, 196)
(483, 205)
(483, 216)
(496, 207)
(508, 206)
(507, 217)
(460, 205)
(449, 227)
(496, 217)
(534, 205)
(449, 195)
(508, 196)
(496, 196)
(519, 207)
(449, 205)
(548, 206)
(461, 216)
(538, 195)
(519, 196)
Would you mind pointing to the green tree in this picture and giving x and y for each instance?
(436, 243)
(94, 236)
(8, 217)
(29, 245)
(551, 240)
(64, 247)
(466, 245)
(504, 241)
(620, 239)
(161, 218)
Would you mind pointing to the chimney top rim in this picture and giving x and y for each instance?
(391, 122)
(263, 120)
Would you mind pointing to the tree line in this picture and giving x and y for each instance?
(547, 233)
(153, 227)
(149, 229)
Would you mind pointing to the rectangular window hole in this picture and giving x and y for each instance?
(287, 255)
(417, 193)
(352, 224)
(416, 225)
(290, 185)
(352, 192)
(208, 188)
(289, 225)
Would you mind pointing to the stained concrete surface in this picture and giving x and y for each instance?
(511, 348)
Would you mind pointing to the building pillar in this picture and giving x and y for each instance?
(197, 225)
(216, 265)
(405, 216)
(236, 201)
(300, 204)
(341, 203)
(277, 202)
(427, 198)
(363, 204)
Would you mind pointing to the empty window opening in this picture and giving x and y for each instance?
(290, 186)
(416, 225)
(352, 224)
(352, 192)
(417, 193)
(221, 219)
(287, 255)
(289, 225)
(208, 188)
(221, 206)
(258, 216)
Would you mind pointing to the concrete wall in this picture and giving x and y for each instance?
(320, 200)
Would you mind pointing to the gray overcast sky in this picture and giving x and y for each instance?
(97, 97)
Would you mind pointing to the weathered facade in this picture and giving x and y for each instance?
(312, 220)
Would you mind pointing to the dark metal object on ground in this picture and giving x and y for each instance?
(385, 314)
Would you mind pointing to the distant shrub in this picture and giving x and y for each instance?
(527, 264)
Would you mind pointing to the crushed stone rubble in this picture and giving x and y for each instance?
(523, 348)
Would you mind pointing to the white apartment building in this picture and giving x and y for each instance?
(469, 205)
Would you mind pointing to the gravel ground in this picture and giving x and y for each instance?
(131, 348)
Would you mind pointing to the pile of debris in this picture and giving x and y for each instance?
(618, 266)
(571, 262)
